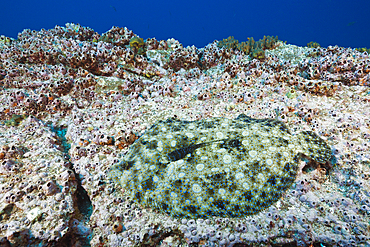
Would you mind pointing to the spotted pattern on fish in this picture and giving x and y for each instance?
(215, 167)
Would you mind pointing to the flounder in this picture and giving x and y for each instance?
(215, 167)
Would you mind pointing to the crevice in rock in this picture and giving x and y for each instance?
(83, 201)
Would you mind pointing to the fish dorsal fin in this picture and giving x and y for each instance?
(314, 147)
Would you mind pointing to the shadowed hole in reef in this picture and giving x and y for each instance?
(6, 212)
(84, 204)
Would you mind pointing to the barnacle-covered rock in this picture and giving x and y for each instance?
(216, 166)
(84, 92)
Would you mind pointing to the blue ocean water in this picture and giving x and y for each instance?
(328, 22)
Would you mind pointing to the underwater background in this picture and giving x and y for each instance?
(328, 22)
(147, 123)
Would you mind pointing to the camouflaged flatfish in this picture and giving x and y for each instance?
(216, 166)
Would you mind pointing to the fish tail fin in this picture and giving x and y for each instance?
(314, 147)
